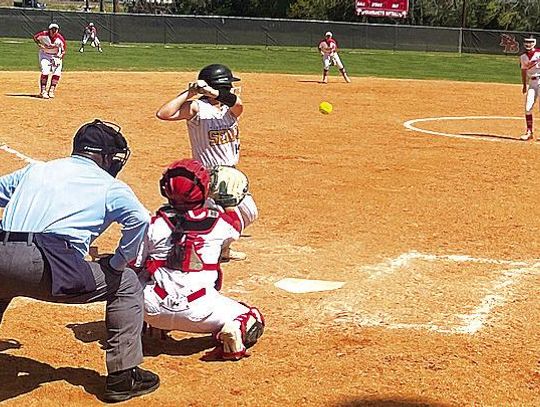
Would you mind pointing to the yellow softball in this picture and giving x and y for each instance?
(325, 108)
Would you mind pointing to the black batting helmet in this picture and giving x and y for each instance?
(217, 76)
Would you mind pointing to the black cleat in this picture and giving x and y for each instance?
(129, 383)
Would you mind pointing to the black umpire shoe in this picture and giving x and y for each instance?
(129, 383)
(3, 307)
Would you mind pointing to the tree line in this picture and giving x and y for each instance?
(518, 15)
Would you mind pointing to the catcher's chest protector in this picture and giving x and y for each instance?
(188, 238)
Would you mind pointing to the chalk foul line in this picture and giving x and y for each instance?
(16, 153)
(410, 125)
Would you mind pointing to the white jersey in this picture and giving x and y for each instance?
(328, 48)
(531, 62)
(214, 135)
(188, 301)
(219, 227)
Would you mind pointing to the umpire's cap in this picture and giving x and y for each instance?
(99, 137)
(217, 76)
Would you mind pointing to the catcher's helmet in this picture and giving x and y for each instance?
(185, 183)
(529, 43)
(217, 76)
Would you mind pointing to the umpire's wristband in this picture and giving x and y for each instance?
(226, 97)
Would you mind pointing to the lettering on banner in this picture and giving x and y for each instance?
(383, 8)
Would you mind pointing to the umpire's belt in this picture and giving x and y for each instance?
(16, 237)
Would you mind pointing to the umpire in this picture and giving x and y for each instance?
(53, 211)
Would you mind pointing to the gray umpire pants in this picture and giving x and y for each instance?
(23, 273)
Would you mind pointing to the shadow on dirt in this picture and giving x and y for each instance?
(20, 375)
(152, 345)
(497, 136)
(390, 402)
(24, 95)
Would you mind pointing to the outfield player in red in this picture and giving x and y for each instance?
(52, 48)
(90, 34)
(530, 78)
(328, 49)
(181, 271)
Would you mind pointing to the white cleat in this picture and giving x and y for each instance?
(51, 94)
(527, 136)
(347, 79)
(81, 50)
(44, 95)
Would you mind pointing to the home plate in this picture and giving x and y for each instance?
(298, 285)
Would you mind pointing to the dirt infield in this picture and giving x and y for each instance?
(435, 237)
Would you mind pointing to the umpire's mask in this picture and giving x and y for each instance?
(103, 138)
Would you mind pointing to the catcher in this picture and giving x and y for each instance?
(181, 272)
(211, 108)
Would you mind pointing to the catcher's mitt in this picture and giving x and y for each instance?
(228, 186)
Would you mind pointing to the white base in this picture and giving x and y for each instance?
(298, 285)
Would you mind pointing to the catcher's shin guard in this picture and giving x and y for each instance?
(251, 326)
(3, 306)
(237, 336)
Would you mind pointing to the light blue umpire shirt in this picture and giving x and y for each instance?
(75, 198)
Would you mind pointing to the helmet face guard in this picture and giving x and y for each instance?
(185, 184)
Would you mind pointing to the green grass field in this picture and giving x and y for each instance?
(20, 54)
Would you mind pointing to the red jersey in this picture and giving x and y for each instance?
(57, 41)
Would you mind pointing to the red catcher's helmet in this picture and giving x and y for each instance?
(185, 184)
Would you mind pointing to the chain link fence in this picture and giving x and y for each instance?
(224, 31)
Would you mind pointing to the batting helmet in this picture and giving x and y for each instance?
(185, 183)
(529, 43)
(217, 76)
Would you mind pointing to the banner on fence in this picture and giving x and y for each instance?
(382, 8)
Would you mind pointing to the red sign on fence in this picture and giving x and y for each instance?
(382, 8)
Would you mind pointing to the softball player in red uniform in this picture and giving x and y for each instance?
(52, 48)
(328, 49)
(530, 78)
